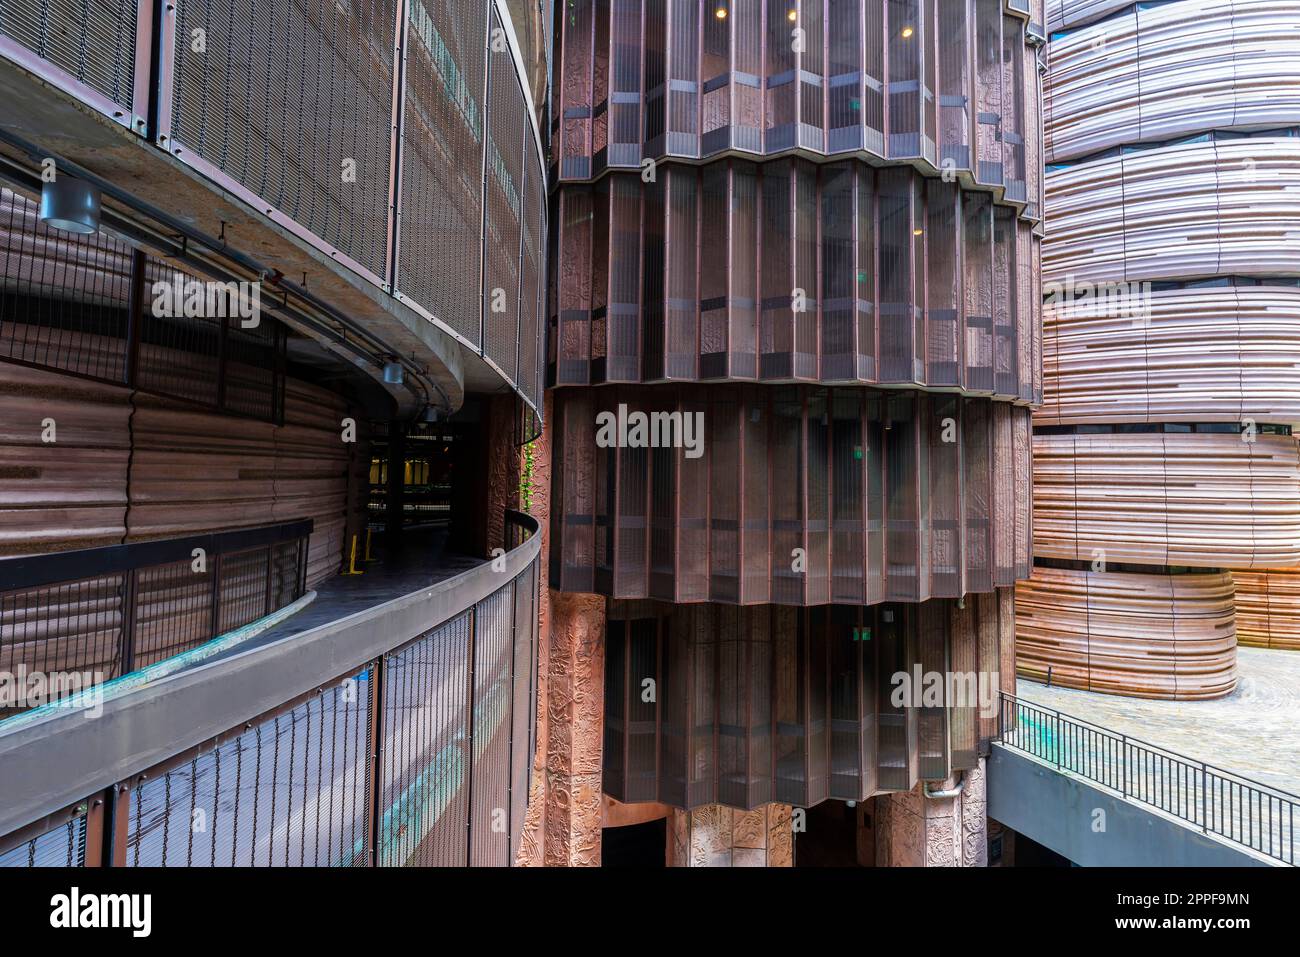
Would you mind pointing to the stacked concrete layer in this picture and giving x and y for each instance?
(1170, 359)
(1268, 608)
(1209, 500)
(1216, 354)
(126, 467)
(1159, 72)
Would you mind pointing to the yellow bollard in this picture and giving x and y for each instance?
(352, 559)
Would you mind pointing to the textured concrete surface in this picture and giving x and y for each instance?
(1252, 731)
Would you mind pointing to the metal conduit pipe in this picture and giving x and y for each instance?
(950, 793)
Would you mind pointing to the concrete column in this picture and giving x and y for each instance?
(717, 836)
(912, 830)
(575, 717)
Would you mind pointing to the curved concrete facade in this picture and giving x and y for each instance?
(1170, 360)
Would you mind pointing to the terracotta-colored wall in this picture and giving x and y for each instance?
(130, 467)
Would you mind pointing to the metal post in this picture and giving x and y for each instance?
(376, 744)
(1123, 764)
(126, 650)
(1205, 799)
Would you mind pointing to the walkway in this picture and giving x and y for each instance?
(1255, 731)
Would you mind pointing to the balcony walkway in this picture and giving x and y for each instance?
(421, 559)
(1251, 731)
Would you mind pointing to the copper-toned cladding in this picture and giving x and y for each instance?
(1201, 354)
(128, 469)
(941, 82)
(774, 704)
(1226, 207)
(787, 270)
(1209, 500)
(798, 495)
(1268, 608)
(1144, 635)
(1157, 72)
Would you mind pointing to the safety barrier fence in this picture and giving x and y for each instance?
(398, 735)
(80, 618)
(1219, 802)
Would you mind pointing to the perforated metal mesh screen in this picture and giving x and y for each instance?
(790, 495)
(91, 40)
(294, 102)
(790, 270)
(901, 79)
(290, 791)
(444, 126)
(768, 703)
(504, 197)
(61, 846)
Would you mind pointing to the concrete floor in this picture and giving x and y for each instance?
(1255, 731)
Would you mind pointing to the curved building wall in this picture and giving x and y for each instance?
(1170, 367)
(788, 270)
(1193, 210)
(1207, 499)
(1268, 608)
(1199, 353)
(400, 141)
(793, 495)
(1145, 635)
(1167, 70)
(811, 228)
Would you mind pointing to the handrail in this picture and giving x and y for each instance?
(31, 571)
(1218, 801)
(53, 763)
(82, 617)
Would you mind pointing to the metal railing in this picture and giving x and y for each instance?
(1219, 802)
(95, 614)
(398, 735)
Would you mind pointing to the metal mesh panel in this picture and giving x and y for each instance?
(834, 273)
(675, 78)
(290, 791)
(808, 495)
(490, 779)
(442, 161)
(522, 713)
(91, 40)
(504, 198)
(62, 846)
(281, 98)
(426, 746)
(531, 291)
(63, 303)
(766, 703)
(73, 627)
(173, 610)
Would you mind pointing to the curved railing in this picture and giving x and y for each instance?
(83, 617)
(401, 734)
(1219, 802)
